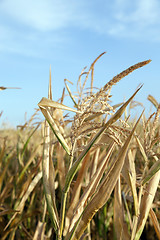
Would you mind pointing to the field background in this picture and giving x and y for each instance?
(68, 150)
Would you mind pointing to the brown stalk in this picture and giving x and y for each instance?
(129, 172)
(120, 225)
(146, 203)
(49, 171)
(61, 164)
(40, 230)
(91, 69)
(153, 100)
(155, 222)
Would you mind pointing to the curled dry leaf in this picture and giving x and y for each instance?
(146, 203)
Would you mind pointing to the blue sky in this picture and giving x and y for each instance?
(69, 35)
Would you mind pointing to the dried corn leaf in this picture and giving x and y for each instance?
(103, 192)
(152, 171)
(146, 203)
(27, 141)
(70, 93)
(30, 160)
(4, 88)
(94, 163)
(49, 173)
(76, 191)
(29, 190)
(119, 224)
(55, 129)
(2, 152)
(5, 169)
(20, 206)
(39, 233)
(142, 149)
(155, 222)
(61, 164)
(73, 170)
(45, 102)
(92, 186)
(129, 173)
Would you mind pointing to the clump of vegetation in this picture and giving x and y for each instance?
(100, 170)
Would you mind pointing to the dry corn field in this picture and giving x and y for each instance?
(87, 172)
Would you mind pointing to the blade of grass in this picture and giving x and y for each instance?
(55, 129)
(146, 203)
(61, 164)
(28, 140)
(20, 206)
(76, 191)
(45, 102)
(155, 221)
(40, 230)
(130, 176)
(5, 169)
(27, 164)
(69, 91)
(49, 173)
(152, 171)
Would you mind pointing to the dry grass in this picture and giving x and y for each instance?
(100, 170)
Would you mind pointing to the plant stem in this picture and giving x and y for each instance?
(63, 207)
(63, 203)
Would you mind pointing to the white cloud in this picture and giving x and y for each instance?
(26, 23)
(116, 17)
(137, 19)
(41, 15)
(138, 11)
(147, 12)
(27, 26)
